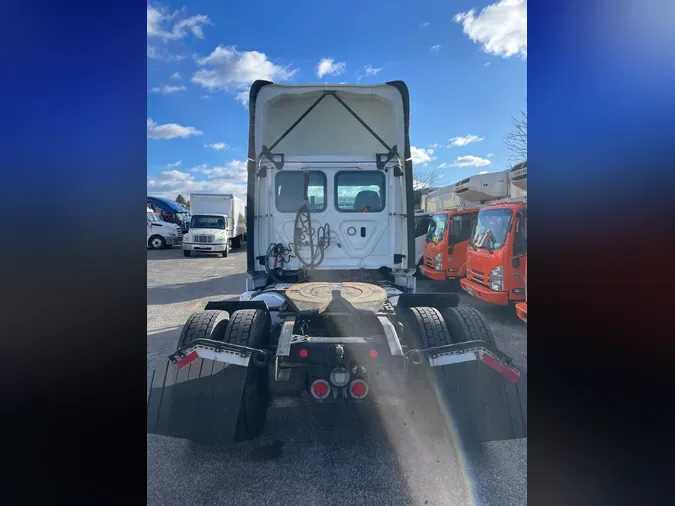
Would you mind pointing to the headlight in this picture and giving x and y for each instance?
(439, 262)
(172, 234)
(496, 279)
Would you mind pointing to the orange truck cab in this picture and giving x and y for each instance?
(521, 307)
(445, 247)
(497, 253)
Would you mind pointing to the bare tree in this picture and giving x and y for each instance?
(516, 140)
(425, 179)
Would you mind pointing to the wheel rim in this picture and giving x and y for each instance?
(156, 243)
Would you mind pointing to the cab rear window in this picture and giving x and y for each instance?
(359, 191)
(290, 194)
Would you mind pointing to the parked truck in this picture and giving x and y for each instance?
(230, 205)
(170, 211)
(497, 251)
(217, 224)
(331, 310)
(161, 234)
(446, 243)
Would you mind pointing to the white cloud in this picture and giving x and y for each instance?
(166, 89)
(425, 24)
(434, 145)
(206, 97)
(435, 48)
(421, 156)
(174, 164)
(463, 141)
(242, 98)
(160, 53)
(370, 71)
(173, 175)
(328, 67)
(175, 75)
(483, 172)
(230, 178)
(170, 130)
(500, 28)
(217, 146)
(486, 64)
(470, 161)
(167, 26)
(490, 155)
(230, 70)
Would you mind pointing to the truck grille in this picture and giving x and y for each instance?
(206, 239)
(478, 277)
(428, 261)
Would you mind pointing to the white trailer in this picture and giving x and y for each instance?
(224, 204)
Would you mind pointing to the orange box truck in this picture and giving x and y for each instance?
(497, 251)
(446, 243)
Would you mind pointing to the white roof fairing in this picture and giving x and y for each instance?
(329, 131)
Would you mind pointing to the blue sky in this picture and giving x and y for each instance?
(464, 62)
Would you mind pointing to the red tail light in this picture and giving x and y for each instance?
(320, 389)
(358, 389)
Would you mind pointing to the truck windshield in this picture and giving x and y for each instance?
(437, 227)
(491, 228)
(182, 217)
(208, 222)
(152, 217)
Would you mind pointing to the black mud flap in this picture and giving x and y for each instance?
(483, 404)
(199, 402)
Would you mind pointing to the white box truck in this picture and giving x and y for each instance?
(217, 223)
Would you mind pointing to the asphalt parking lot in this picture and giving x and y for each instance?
(318, 454)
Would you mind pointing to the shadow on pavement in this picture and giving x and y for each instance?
(221, 287)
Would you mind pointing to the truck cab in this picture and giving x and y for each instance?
(161, 234)
(446, 243)
(328, 196)
(170, 212)
(209, 233)
(497, 254)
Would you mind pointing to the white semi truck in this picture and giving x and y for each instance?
(217, 223)
(161, 234)
(331, 311)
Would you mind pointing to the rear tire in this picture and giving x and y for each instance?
(209, 324)
(250, 327)
(426, 328)
(186, 253)
(236, 242)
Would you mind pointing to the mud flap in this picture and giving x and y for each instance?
(199, 402)
(484, 405)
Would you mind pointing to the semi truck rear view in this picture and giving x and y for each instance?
(330, 311)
